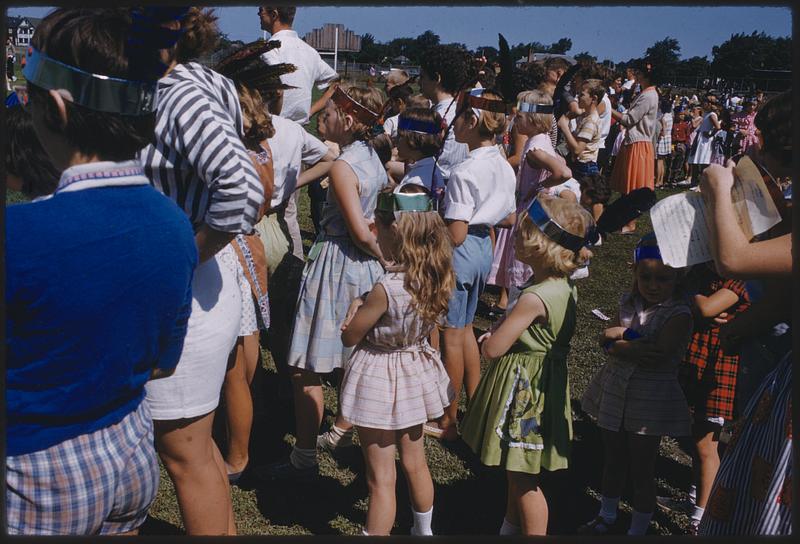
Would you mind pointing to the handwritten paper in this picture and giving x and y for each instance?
(681, 221)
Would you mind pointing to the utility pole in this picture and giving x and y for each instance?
(336, 48)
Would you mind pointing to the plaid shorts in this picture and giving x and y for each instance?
(97, 483)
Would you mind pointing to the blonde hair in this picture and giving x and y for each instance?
(490, 124)
(370, 98)
(255, 112)
(541, 121)
(532, 244)
(425, 251)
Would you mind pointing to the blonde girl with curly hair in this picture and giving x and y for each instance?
(520, 415)
(395, 381)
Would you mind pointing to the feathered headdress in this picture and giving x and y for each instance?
(244, 65)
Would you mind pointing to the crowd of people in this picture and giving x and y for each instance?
(162, 252)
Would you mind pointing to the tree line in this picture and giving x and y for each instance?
(740, 56)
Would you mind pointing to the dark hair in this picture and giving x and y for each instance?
(25, 157)
(453, 65)
(382, 145)
(529, 77)
(93, 40)
(556, 63)
(487, 77)
(427, 144)
(285, 13)
(595, 187)
(774, 121)
(401, 92)
(199, 35)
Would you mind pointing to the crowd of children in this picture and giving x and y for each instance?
(172, 189)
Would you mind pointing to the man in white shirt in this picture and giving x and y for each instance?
(311, 70)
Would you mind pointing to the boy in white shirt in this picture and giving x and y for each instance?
(479, 195)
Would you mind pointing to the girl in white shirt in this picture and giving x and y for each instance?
(419, 138)
(479, 195)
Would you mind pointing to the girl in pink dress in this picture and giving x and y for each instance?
(745, 124)
(395, 381)
(539, 168)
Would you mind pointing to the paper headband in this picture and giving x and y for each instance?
(525, 107)
(553, 230)
(93, 91)
(646, 252)
(403, 202)
(414, 125)
(356, 109)
(474, 100)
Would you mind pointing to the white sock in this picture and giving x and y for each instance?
(508, 528)
(639, 523)
(422, 523)
(693, 494)
(335, 435)
(364, 532)
(608, 508)
(697, 514)
(303, 458)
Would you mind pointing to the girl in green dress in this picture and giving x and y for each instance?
(520, 416)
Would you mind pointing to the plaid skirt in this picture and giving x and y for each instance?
(97, 483)
(339, 273)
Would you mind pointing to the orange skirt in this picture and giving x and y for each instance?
(634, 168)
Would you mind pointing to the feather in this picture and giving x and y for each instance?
(243, 56)
(558, 102)
(505, 80)
(625, 209)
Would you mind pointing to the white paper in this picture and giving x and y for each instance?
(681, 224)
(597, 313)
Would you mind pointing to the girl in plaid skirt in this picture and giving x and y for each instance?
(708, 374)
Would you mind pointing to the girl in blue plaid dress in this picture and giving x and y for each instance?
(344, 262)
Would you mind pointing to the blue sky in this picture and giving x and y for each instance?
(617, 33)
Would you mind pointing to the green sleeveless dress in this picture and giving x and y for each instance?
(520, 416)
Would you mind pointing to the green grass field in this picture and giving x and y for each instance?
(470, 498)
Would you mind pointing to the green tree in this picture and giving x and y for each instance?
(741, 54)
(560, 47)
(584, 55)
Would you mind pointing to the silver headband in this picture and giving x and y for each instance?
(94, 91)
(526, 107)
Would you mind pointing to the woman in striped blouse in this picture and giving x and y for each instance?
(198, 160)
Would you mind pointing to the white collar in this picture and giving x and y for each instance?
(481, 151)
(288, 33)
(101, 174)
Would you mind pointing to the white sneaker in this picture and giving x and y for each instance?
(684, 183)
(326, 442)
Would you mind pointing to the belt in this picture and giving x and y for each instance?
(478, 229)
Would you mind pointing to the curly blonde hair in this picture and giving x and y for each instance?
(368, 97)
(255, 114)
(425, 251)
(531, 244)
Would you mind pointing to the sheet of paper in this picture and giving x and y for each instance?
(681, 224)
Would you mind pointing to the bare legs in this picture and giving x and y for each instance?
(379, 453)
(527, 505)
(462, 360)
(196, 468)
(308, 407)
(706, 462)
(239, 401)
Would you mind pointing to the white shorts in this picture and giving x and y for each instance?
(194, 389)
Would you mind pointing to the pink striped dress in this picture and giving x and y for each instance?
(394, 379)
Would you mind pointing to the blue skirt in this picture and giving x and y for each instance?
(338, 274)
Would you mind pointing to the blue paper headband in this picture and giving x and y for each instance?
(93, 91)
(646, 252)
(415, 125)
(553, 230)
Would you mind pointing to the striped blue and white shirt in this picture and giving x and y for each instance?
(198, 159)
